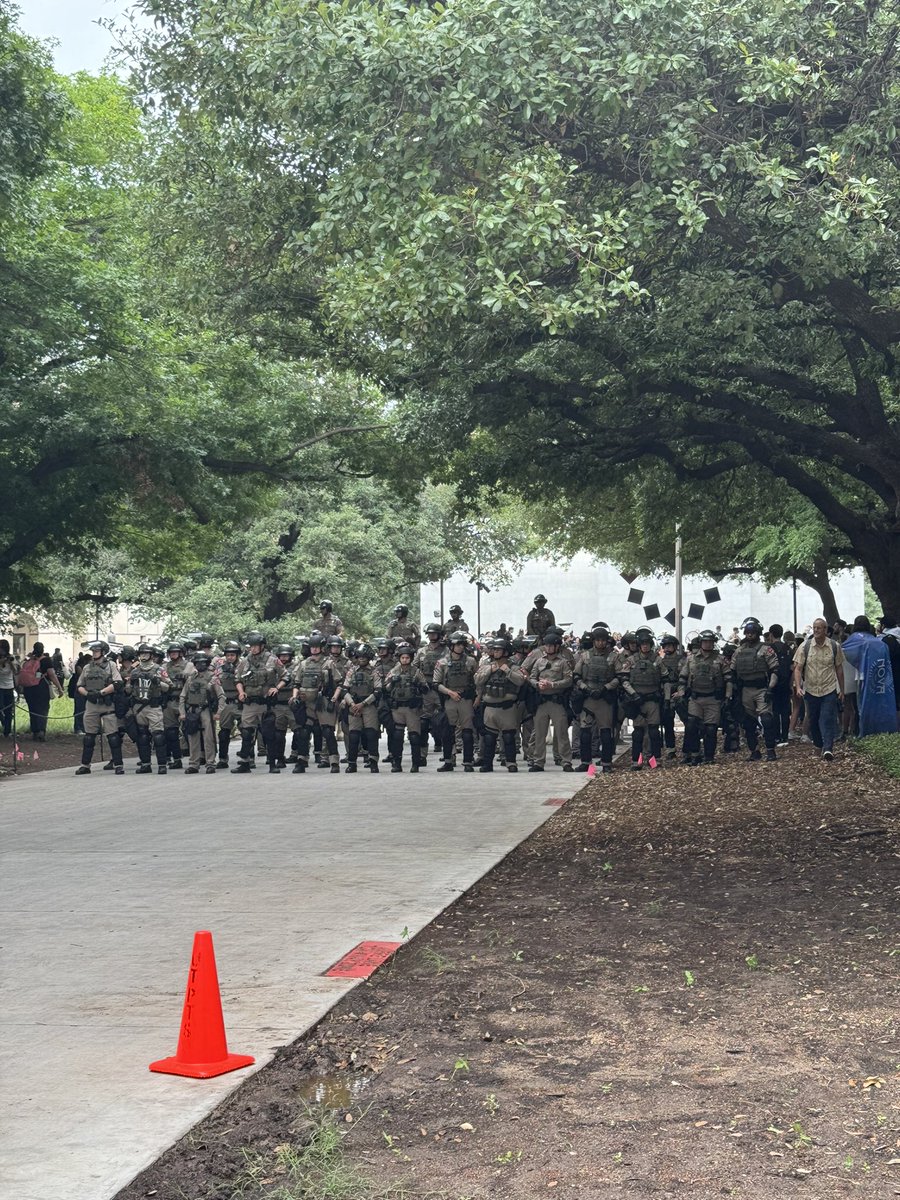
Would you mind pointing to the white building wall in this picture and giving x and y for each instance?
(588, 590)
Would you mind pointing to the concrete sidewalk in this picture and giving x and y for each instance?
(103, 882)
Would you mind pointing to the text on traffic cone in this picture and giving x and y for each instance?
(202, 1050)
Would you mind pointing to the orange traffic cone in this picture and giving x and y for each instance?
(202, 1050)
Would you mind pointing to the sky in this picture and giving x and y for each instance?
(83, 45)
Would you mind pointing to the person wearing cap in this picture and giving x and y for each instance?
(329, 622)
(642, 684)
(540, 618)
(551, 678)
(455, 623)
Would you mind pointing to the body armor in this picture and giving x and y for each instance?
(175, 672)
(96, 675)
(458, 677)
(499, 688)
(255, 677)
(645, 676)
(145, 686)
(597, 670)
(405, 690)
(750, 666)
(361, 684)
(196, 691)
(427, 659)
(706, 675)
(227, 681)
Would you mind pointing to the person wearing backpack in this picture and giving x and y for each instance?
(36, 678)
(819, 678)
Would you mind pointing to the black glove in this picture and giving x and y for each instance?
(94, 697)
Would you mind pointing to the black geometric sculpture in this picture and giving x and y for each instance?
(635, 596)
(695, 612)
(651, 611)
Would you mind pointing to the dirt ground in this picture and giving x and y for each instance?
(57, 751)
(684, 984)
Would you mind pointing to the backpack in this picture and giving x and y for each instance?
(30, 674)
(784, 663)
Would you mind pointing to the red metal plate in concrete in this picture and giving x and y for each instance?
(362, 960)
(556, 801)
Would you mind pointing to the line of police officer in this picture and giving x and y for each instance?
(471, 702)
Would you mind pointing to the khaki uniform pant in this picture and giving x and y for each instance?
(498, 718)
(648, 715)
(707, 709)
(368, 719)
(204, 738)
(229, 716)
(459, 714)
(149, 717)
(551, 710)
(410, 717)
(596, 711)
(100, 716)
(754, 702)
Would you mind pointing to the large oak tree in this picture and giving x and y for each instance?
(606, 233)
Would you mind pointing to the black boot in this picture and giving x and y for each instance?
(415, 752)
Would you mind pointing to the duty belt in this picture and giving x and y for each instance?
(499, 703)
(255, 699)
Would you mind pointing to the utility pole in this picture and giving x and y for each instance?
(678, 613)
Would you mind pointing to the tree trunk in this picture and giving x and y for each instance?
(879, 553)
(818, 580)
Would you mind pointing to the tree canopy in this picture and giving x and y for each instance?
(606, 234)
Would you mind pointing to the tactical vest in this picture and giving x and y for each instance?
(750, 666)
(95, 676)
(144, 680)
(499, 688)
(670, 666)
(227, 681)
(403, 688)
(645, 676)
(402, 631)
(458, 677)
(175, 671)
(597, 670)
(539, 620)
(705, 674)
(309, 674)
(428, 658)
(196, 691)
(255, 676)
(361, 684)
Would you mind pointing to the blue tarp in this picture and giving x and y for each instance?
(877, 697)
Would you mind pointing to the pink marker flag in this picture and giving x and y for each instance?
(591, 771)
(653, 763)
(35, 756)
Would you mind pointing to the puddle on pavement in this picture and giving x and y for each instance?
(333, 1090)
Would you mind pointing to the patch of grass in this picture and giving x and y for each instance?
(315, 1170)
(59, 723)
(883, 749)
(437, 962)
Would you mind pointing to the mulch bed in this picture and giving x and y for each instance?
(57, 751)
(684, 984)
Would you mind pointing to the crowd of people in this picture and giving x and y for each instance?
(502, 699)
